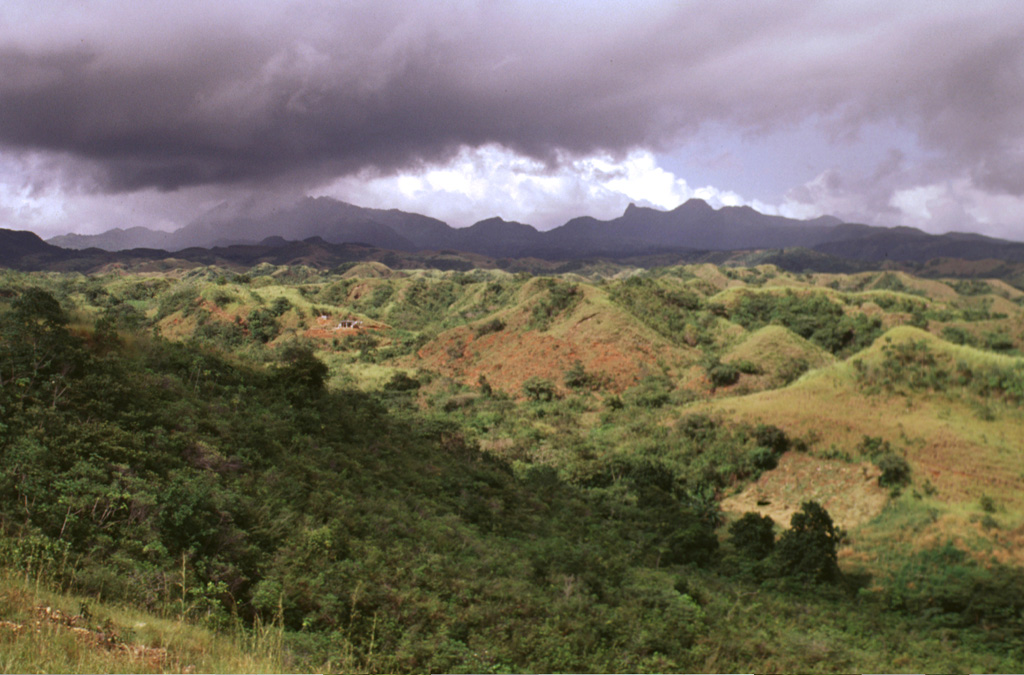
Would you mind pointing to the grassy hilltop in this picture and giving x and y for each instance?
(691, 468)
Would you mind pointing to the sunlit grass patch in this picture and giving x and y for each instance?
(43, 631)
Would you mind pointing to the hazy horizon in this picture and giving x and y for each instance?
(239, 209)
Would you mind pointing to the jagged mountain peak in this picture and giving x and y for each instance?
(640, 230)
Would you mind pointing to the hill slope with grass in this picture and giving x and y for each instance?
(950, 413)
(549, 329)
(365, 469)
(777, 356)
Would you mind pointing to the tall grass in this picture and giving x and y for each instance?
(35, 637)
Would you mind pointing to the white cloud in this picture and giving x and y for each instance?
(960, 205)
(24, 205)
(915, 203)
(906, 198)
(494, 181)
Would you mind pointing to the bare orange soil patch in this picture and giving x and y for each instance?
(848, 491)
(508, 359)
(216, 311)
(176, 326)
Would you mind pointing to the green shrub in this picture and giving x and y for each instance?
(262, 325)
(958, 336)
(652, 392)
(280, 306)
(895, 470)
(998, 342)
(539, 389)
(223, 298)
(771, 437)
(561, 297)
(693, 541)
(971, 287)
(808, 551)
(123, 316)
(222, 333)
(301, 371)
(747, 367)
(669, 311)
(753, 535)
(722, 374)
(763, 459)
(811, 316)
(400, 381)
(576, 377)
(946, 588)
(366, 343)
(890, 282)
(380, 296)
(495, 325)
(698, 427)
(181, 299)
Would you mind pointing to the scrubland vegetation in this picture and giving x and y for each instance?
(691, 469)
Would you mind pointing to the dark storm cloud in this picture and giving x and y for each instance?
(218, 93)
(383, 88)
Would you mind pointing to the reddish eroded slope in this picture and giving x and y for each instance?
(606, 340)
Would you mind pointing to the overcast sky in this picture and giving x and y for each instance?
(117, 113)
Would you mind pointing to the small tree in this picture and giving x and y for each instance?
(262, 325)
(301, 371)
(693, 541)
(37, 352)
(401, 382)
(771, 437)
(771, 443)
(808, 550)
(753, 535)
(577, 377)
(539, 389)
(280, 306)
(895, 470)
(722, 374)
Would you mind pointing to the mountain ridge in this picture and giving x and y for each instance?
(692, 226)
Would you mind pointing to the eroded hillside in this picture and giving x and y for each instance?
(378, 462)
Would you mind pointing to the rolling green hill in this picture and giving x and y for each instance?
(690, 468)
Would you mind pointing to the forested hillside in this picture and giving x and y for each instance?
(693, 468)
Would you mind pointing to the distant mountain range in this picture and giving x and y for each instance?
(693, 226)
(327, 232)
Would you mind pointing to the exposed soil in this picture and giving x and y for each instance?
(609, 343)
(848, 491)
(508, 359)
